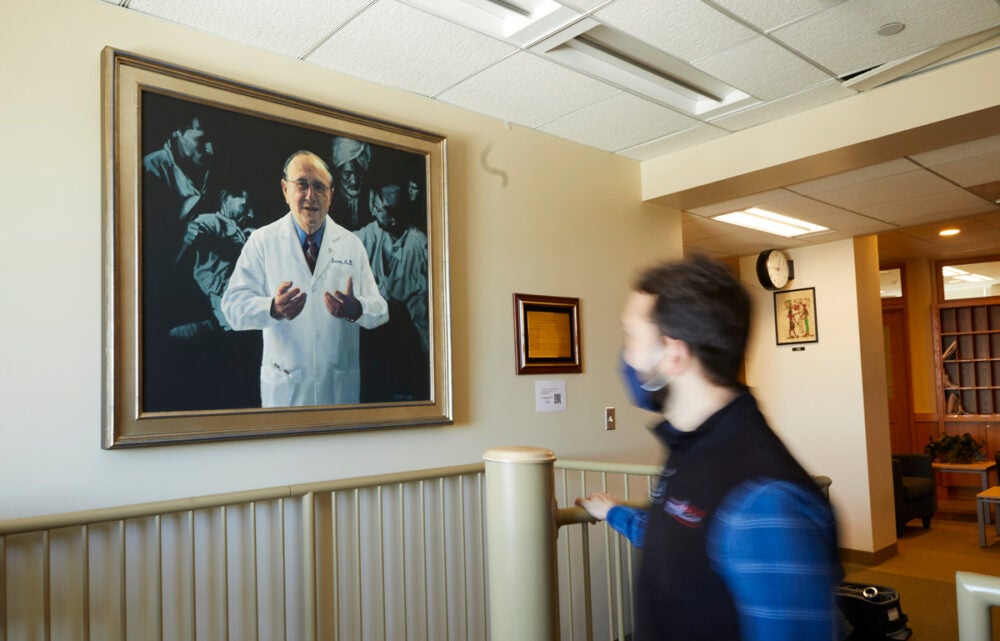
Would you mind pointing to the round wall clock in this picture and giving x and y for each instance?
(773, 269)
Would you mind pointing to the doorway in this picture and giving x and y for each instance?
(897, 375)
(896, 341)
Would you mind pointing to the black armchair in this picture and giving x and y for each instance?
(914, 489)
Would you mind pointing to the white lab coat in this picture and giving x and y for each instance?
(313, 358)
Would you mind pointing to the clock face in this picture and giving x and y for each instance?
(777, 267)
(772, 269)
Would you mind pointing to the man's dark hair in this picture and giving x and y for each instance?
(700, 301)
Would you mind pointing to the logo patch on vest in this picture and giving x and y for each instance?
(684, 513)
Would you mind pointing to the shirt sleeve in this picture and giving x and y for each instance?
(774, 546)
(630, 522)
(374, 309)
(246, 303)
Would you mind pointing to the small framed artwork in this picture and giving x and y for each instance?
(795, 316)
(547, 334)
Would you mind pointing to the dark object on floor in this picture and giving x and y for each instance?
(914, 490)
(873, 611)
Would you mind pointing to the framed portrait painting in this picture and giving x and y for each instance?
(273, 266)
(795, 316)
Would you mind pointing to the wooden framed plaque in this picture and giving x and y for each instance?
(547, 334)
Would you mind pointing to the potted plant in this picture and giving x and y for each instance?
(950, 448)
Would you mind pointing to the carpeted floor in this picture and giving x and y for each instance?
(924, 573)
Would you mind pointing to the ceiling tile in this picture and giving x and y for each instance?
(416, 51)
(688, 29)
(896, 245)
(990, 218)
(762, 68)
(619, 122)
(837, 220)
(699, 228)
(871, 172)
(743, 242)
(674, 142)
(970, 226)
(945, 203)
(866, 195)
(820, 94)
(302, 23)
(774, 13)
(753, 200)
(944, 218)
(844, 39)
(971, 171)
(971, 240)
(528, 90)
(965, 150)
(802, 207)
(846, 225)
(987, 191)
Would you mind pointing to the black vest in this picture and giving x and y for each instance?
(679, 597)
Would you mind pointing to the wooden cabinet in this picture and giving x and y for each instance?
(967, 375)
(968, 358)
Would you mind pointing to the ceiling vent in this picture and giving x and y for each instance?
(633, 65)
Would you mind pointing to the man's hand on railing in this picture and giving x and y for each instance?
(598, 504)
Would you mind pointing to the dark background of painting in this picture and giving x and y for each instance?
(221, 370)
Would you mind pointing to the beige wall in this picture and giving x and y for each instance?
(815, 398)
(568, 222)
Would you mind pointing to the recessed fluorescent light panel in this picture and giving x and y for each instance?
(520, 22)
(770, 222)
(954, 274)
(629, 63)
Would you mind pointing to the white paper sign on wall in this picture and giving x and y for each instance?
(550, 396)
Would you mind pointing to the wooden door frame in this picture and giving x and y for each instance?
(895, 305)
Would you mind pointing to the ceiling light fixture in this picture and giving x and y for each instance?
(951, 231)
(510, 6)
(891, 28)
(519, 22)
(627, 62)
(971, 278)
(770, 222)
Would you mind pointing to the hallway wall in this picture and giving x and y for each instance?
(820, 399)
(568, 222)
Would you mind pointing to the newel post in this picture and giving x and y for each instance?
(521, 544)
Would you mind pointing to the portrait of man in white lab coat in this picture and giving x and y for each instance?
(302, 292)
(305, 282)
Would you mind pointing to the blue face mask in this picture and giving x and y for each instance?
(639, 390)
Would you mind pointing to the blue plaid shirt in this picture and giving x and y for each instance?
(770, 543)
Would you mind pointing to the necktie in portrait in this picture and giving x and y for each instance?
(311, 250)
